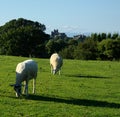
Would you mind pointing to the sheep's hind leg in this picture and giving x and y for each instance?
(25, 89)
(24, 84)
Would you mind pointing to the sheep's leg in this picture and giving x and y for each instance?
(26, 88)
(24, 84)
(59, 72)
(51, 69)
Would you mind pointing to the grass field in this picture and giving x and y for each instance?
(84, 89)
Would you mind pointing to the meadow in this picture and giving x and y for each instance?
(84, 89)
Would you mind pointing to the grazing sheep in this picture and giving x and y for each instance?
(25, 71)
(56, 63)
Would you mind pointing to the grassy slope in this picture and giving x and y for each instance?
(85, 89)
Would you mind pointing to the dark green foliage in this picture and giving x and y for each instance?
(55, 45)
(68, 52)
(96, 46)
(109, 49)
(22, 38)
(72, 42)
(86, 50)
(115, 35)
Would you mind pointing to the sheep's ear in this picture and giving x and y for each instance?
(12, 85)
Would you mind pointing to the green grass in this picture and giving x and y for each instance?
(84, 89)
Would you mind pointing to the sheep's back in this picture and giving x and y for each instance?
(56, 61)
(27, 69)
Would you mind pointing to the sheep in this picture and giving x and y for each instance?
(25, 71)
(56, 63)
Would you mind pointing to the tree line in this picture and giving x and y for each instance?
(22, 37)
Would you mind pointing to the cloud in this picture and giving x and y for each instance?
(70, 28)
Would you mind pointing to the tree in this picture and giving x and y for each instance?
(23, 38)
(94, 36)
(68, 52)
(86, 50)
(115, 36)
(109, 35)
(103, 36)
(116, 49)
(50, 47)
(109, 49)
(55, 46)
(72, 42)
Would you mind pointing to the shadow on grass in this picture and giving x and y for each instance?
(80, 102)
(85, 76)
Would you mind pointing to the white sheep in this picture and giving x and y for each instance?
(56, 63)
(25, 71)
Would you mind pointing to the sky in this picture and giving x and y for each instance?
(73, 16)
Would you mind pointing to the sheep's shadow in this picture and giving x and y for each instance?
(80, 102)
(85, 76)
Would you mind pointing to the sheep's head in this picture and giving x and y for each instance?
(17, 89)
(54, 71)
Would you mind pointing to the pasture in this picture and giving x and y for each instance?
(84, 89)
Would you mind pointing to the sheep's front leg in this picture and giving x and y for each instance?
(51, 69)
(60, 71)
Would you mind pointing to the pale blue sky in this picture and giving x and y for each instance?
(78, 16)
